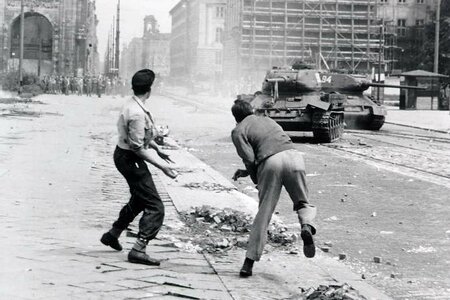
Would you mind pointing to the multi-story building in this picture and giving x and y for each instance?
(196, 48)
(404, 27)
(149, 51)
(60, 36)
(131, 58)
(156, 47)
(329, 33)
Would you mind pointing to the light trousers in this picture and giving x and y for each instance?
(286, 169)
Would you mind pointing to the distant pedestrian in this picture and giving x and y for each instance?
(137, 131)
(272, 162)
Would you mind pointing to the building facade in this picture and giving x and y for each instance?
(131, 58)
(59, 36)
(149, 51)
(196, 45)
(156, 47)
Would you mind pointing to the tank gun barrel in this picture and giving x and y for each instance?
(280, 79)
(409, 87)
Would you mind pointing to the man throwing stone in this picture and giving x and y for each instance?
(272, 162)
(135, 147)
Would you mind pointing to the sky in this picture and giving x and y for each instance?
(132, 18)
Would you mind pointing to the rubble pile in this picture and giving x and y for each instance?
(223, 219)
(332, 292)
(219, 230)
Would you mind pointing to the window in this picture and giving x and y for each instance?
(401, 1)
(384, 1)
(220, 12)
(401, 27)
(219, 32)
(420, 1)
(420, 22)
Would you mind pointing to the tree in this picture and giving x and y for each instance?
(416, 57)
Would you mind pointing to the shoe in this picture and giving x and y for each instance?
(246, 270)
(308, 242)
(108, 240)
(137, 257)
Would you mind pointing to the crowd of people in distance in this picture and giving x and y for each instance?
(84, 85)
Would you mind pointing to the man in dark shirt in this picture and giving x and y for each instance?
(272, 162)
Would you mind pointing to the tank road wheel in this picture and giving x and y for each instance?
(327, 126)
(376, 123)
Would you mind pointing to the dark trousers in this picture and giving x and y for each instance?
(144, 196)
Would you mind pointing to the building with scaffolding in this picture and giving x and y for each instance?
(60, 36)
(331, 34)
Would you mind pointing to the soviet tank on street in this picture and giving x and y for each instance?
(293, 98)
(320, 101)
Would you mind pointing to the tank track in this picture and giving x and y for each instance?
(327, 126)
(376, 123)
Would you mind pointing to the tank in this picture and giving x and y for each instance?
(319, 101)
(294, 99)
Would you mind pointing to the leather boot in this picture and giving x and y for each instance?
(308, 242)
(109, 240)
(246, 269)
(138, 257)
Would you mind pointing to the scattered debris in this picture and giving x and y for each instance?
(332, 218)
(325, 249)
(209, 186)
(232, 220)
(422, 249)
(332, 292)
(377, 259)
(342, 256)
(374, 214)
(224, 229)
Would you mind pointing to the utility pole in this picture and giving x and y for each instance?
(436, 37)
(22, 32)
(113, 44)
(117, 64)
(380, 51)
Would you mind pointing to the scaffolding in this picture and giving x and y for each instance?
(340, 34)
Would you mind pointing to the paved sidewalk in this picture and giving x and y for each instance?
(438, 120)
